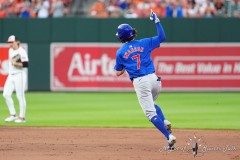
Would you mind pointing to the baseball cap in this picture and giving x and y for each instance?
(12, 38)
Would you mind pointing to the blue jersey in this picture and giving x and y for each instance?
(135, 56)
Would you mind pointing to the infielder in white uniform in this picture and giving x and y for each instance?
(16, 80)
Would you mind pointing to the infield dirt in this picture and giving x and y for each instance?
(50, 143)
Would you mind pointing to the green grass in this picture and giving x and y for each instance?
(184, 110)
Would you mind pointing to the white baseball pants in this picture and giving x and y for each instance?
(16, 82)
(147, 89)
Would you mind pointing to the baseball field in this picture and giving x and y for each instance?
(112, 126)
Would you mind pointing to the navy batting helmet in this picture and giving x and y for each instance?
(125, 32)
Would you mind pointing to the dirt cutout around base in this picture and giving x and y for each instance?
(47, 143)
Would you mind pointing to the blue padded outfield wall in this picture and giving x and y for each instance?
(39, 33)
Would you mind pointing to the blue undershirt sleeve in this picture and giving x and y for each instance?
(157, 40)
(160, 32)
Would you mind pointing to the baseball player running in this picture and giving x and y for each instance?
(134, 56)
(16, 80)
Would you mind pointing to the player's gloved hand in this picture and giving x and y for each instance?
(153, 17)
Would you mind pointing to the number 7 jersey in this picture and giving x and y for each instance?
(135, 57)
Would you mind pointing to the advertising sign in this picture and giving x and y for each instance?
(182, 67)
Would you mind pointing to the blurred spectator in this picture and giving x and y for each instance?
(219, 5)
(44, 7)
(113, 9)
(192, 9)
(120, 8)
(170, 8)
(201, 5)
(34, 8)
(11, 9)
(132, 11)
(67, 6)
(24, 10)
(57, 8)
(144, 8)
(3, 13)
(25, 13)
(160, 8)
(234, 8)
(98, 9)
(123, 4)
(208, 9)
(179, 9)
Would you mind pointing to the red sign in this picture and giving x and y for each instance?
(4, 63)
(184, 67)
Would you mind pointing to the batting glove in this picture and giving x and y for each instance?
(153, 17)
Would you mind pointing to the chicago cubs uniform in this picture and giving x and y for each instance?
(134, 56)
(16, 80)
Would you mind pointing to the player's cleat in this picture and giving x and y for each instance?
(171, 141)
(20, 120)
(172, 148)
(11, 118)
(168, 126)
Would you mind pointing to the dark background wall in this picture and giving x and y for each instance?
(39, 33)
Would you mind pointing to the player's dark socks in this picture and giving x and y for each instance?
(159, 112)
(158, 123)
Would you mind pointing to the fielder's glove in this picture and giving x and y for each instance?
(16, 58)
(153, 17)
